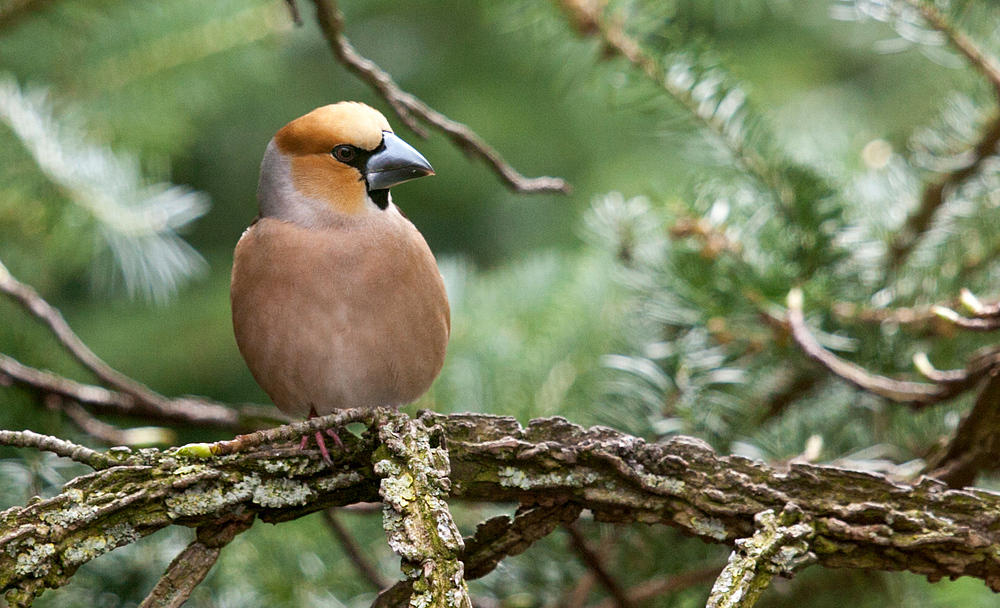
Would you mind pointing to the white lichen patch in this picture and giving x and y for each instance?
(209, 498)
(337, 482)
(35, 561)
(190, 469)
(95, 546)
(446, 528)
(510, 477)
(664, 484)
(709, 526)
(398, 489)
(276, 466)
(74, 514)
(276, 493)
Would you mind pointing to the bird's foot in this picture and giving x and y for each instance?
(320, 442)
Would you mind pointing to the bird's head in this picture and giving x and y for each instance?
(335, 162)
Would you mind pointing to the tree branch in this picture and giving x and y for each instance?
(410, 109)
(862, 520)
(976, 445)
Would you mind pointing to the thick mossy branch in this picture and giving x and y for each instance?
(417, 521)
(860, 520)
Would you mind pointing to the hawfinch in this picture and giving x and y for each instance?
(337, 299)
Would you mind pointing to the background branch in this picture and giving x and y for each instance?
(124, 395)
(595, 563)
(354, 553)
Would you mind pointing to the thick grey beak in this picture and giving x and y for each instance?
(394, 163)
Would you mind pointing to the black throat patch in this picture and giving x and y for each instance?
(380, 198)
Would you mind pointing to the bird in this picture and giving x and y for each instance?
(337, 300)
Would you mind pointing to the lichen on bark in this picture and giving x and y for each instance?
(779, 545)
(859, 520)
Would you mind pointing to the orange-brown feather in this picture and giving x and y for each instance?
(322, 177)
(319, 131)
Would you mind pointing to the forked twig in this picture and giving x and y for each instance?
(907, 392)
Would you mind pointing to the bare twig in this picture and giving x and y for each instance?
(192, 411)
(660, 585)
(946, 384)
(60, 447)
(361, 563)
(411, 110)
(31, 301)
(111, 435)
(979, 323)
(596, 565)
(192, 565)
(126, 395)
(935, 193)
(105, 433)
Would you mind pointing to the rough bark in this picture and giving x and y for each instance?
(858, 520)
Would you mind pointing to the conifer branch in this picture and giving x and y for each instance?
(412, 111)
(587, 18)
(935, 194)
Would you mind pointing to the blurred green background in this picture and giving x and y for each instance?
(192, 90)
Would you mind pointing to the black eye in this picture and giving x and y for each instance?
(344, 154)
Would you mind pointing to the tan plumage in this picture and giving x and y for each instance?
(337, 301)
